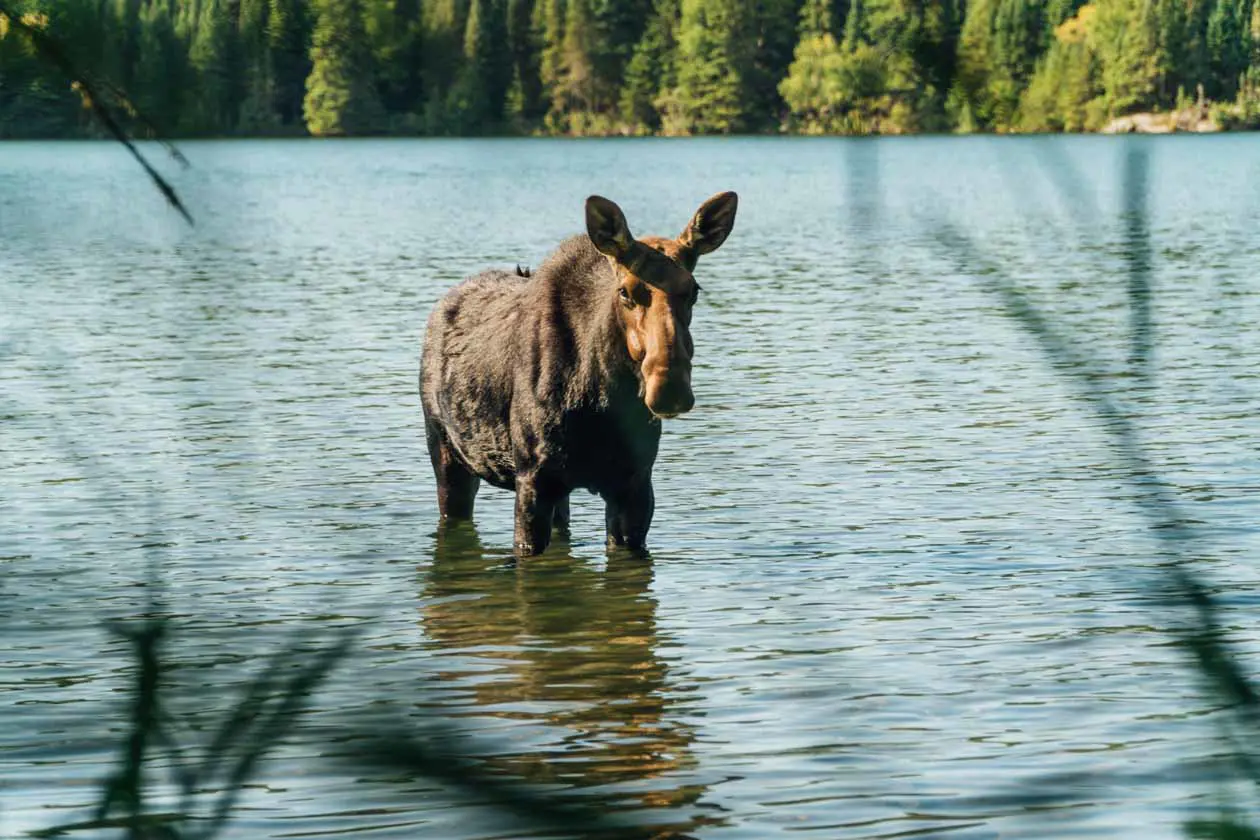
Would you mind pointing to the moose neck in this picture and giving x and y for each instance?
(606, 377)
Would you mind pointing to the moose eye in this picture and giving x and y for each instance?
(624, 293)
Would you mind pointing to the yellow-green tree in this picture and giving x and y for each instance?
(712, 57)
(341, 98)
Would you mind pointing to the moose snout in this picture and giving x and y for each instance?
(670, 395)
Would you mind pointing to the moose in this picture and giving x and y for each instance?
(548, 381)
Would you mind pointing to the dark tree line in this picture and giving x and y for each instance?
(460, 67)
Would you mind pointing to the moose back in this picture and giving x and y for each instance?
(559, 380)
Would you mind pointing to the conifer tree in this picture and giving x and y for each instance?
(477, 99)
(396, 32)
(1122, 35)
(573, 85)
(341, 98)
(161, 74)
(709, 97)
(216, 58)
(997, 53)
(547, 24)
(768, 42)
(652, 67)
(1229, 44)
(818, 17)
(526, 91)
(289, 30)
(445, 22)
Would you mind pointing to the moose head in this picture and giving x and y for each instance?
(655, 292)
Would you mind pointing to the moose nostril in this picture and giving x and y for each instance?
(671, 398)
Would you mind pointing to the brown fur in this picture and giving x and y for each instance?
(547, 381)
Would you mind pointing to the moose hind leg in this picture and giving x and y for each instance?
(560, 517)
(456, 485)
(628, 516)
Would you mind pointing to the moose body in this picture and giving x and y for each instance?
(549, 382)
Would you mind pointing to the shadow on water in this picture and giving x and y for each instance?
(207, 769)
(1195, 623)
(574, 650)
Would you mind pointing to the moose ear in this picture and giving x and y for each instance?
(607, 228)
(711, 225)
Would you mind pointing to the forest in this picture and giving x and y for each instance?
(214, 68)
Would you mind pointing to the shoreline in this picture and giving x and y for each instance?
(1152, 123)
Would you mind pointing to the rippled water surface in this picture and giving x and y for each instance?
(898, 584)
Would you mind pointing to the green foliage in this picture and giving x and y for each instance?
(1229, 45)
(221, 67)
(840, 89)
(878, 79)
(1059, 95)
(773, 38)
(395, 33)
(652, 68)
(1244, 112)
(818, 17)
(341, 98)
(1123, 39)
(525, 93)
(289, 31)
(444, 23)
(476, 103)
(162, 71)
(216, 57)
(709, 96)
(1001, 40)
(576, 88)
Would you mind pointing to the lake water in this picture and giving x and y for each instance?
(898, 585)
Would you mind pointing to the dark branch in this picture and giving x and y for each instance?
(49, 49)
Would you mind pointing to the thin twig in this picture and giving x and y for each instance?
(48, 47)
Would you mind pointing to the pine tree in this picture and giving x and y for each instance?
(289, 30)
(1172, 24)
(710, 96)
(1229, 44)
(617, 27)
(1123, 38)
(524, 46)
(161, 74)
(1061, 91)
(257, 112)
(547, 24)
(445, 22)
(652, 67)
(574, 91)
(396, 31)
(216, 58)
(771, 37)
(818, 17)
(1000, 43)
(341, 98)
(806, 87)
(479, 94)
(121, 35)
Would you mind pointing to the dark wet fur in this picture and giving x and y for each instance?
(526, 383)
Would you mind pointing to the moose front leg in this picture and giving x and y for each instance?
(535, 508)
(628, 515)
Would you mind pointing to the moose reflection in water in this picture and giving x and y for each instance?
(573, 648)
(548, 383)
